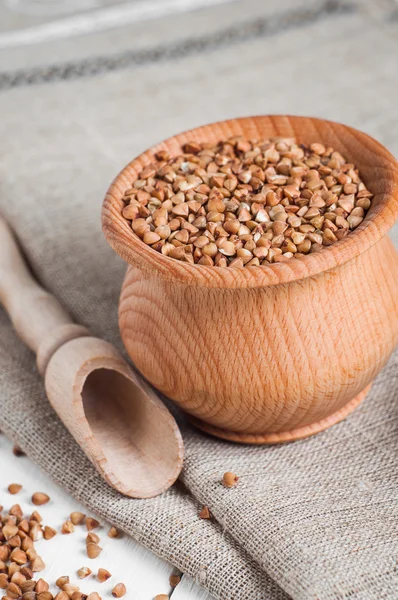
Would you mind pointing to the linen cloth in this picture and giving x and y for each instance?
(315, 519)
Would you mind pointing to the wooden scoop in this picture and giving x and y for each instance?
(116, 418)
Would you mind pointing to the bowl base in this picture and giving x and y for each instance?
(284, 436)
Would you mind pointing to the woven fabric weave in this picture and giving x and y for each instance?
(315, 519)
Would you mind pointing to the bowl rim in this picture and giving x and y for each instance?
(381, 217)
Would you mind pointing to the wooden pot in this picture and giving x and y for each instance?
(272, 353)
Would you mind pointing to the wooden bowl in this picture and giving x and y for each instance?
(272, 353)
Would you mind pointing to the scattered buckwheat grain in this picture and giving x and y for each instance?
(77, 518)
(205, 513)
(49, 532)
(113, 532)
(67, 527)
(174, 580)
(103, 575)
(119, 590)
(17, 451)
(93, 550)
(91, 523)
(230, 479)
(92, 537)
(40, 498)
(84, 572)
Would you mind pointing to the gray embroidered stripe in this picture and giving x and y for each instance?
(250, 30)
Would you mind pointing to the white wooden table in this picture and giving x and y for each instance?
(144, 574)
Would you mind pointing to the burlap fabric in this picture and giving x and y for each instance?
(316, 519)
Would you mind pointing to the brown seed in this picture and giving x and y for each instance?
(28, 586)
(18, 578)
(39, 498)
(14, 488)
(29, 595)
(161, 597)
(119, 590)
(16, 511)
(304, 247)
(261, 252)
(91, 523)
(298, 237)
(4, 552)
(69, 589)
(192, 147)
(17, 451)
(26, 572)
(35, 516)
(174, 580)
(328, 236)
(76, 596)
(13, 590)
(180, 210)
(61, 581)
(27, 543)
(9, 531)
(31, 553)
(36, 532)
(92, 537)
(206, 261)
(3, 581)
(131, 211)
(12, 569)
(150, 237)
(15, 540)
(49, 532)
(77, 518)
(37, 564)
(210, 250)
(140, 227)
(230, 479)
(41, 586)
(236, 263)
(244, 254)
(228, 249)
(19, 556)
(163, 231)
(262, 216)
(84, 572)
(93, 550)
(24, 525)
(318, 148)
(62, 596)
(94, 596)
(103, 575)
(44, 596)
(205, 513)
(354, 221)
(113, 532)
(67, 527)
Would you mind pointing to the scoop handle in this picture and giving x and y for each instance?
(37, 316)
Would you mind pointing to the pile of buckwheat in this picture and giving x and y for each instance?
(20, 562)
(246, 203)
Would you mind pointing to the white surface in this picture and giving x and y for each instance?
(144, 574)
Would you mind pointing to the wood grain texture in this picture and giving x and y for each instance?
(116, 418)
(270, 350)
